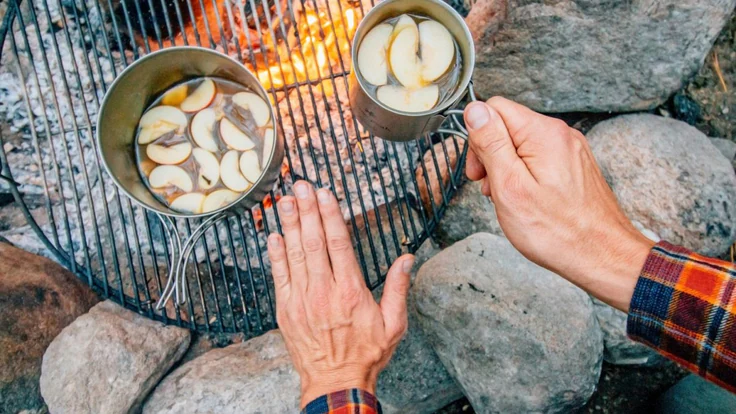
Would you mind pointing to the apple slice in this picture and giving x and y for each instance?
(408, 100)
(405, 21)
(218, 199)
(188, 203)
(170, 175)
(209, 168)
(372, 55)
(173, 154)
(405, 64)
(234, 137)
(203, 129)
(159, 121)
(258, 107)
(175, 95)
(268, 141)
(438, 49)
(230, 172)
(201, 97)
(249, 166)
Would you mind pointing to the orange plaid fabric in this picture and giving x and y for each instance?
(351, 401)
(684, 306)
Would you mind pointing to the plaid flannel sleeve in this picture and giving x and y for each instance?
(684, 306)
(351, 401)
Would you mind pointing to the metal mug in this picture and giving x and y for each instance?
(125, 102)
(395, 125)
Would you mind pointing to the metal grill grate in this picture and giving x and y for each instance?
(61, 56)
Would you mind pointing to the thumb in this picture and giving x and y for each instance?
(490, 140)
(393, 301)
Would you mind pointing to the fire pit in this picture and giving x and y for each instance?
(59, 58)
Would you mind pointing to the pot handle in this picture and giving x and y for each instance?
(180, 252)
(456, 127)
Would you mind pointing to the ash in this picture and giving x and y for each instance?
(58, 61)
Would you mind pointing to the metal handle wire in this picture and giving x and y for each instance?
(457, 127)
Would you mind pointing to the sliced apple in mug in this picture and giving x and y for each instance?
(372, 55)
(408, 100)
(258, 107)
(230, 172)
(167, 155)
(234, 137)
(249, 166)
(203, 129)
(438, 50)
(405, 21)
(201, 97)
(188, 203)
(159, 121)
(175, 95)
(405, 64)
(208, 168)
(218, 199)
(170, 175)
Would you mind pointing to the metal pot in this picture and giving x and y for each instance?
(395, 125)
(124, 104)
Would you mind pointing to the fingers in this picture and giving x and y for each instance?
(313, 237)
(490, 141)
(474, 169)
(293, 243)
(279, 267)
(339, 245)
(393, 301)
(516, 117)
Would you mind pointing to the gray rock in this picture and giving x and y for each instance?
(256, 376)
(672, 180)
(583, 55)
(695, 395)
(38, 298)
(510, 344)
(469, 212)
(726, 146)
(108, 360)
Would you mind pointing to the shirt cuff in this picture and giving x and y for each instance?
(354, 401)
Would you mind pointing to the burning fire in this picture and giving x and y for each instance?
(322, 43)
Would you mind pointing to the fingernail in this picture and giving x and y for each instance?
(286, 207)
(273, 240)
(301, 190)
(477, 115)
(408, 263)
(323, 196)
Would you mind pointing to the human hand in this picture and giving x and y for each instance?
(336, 333)
(552, 201)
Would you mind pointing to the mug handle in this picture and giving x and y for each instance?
(457, 127)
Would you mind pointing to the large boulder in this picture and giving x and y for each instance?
(511, 345)
(670, 178)
(38, 298)
(108, 360)
(469, 212)
(255, 376)
(595, 56)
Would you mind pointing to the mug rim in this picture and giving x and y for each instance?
(449, 102)
(131, 68)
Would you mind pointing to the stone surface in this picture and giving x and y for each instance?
(256, 376)
(593, 56)
(469, 212)
(726, 146)
(672, 180)
(511, 345)
(433, 182)
(38, 298)
(695, 395)
(108, 360)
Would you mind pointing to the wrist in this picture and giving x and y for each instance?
(313, 388)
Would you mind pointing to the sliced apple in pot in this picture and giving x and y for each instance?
(188, 203)
(203, 129)
(268, 141)
(209, 168)
(218, 199)
(175, 95)
(230, 172)
(249, 166)
(170, 175)
(159, 121)
(408, 100)
(258, 107)
(405, 64)
(234, 137)
(167, 155)
(405, 21)
(438, 49)
(201, 97)
(372, 55)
